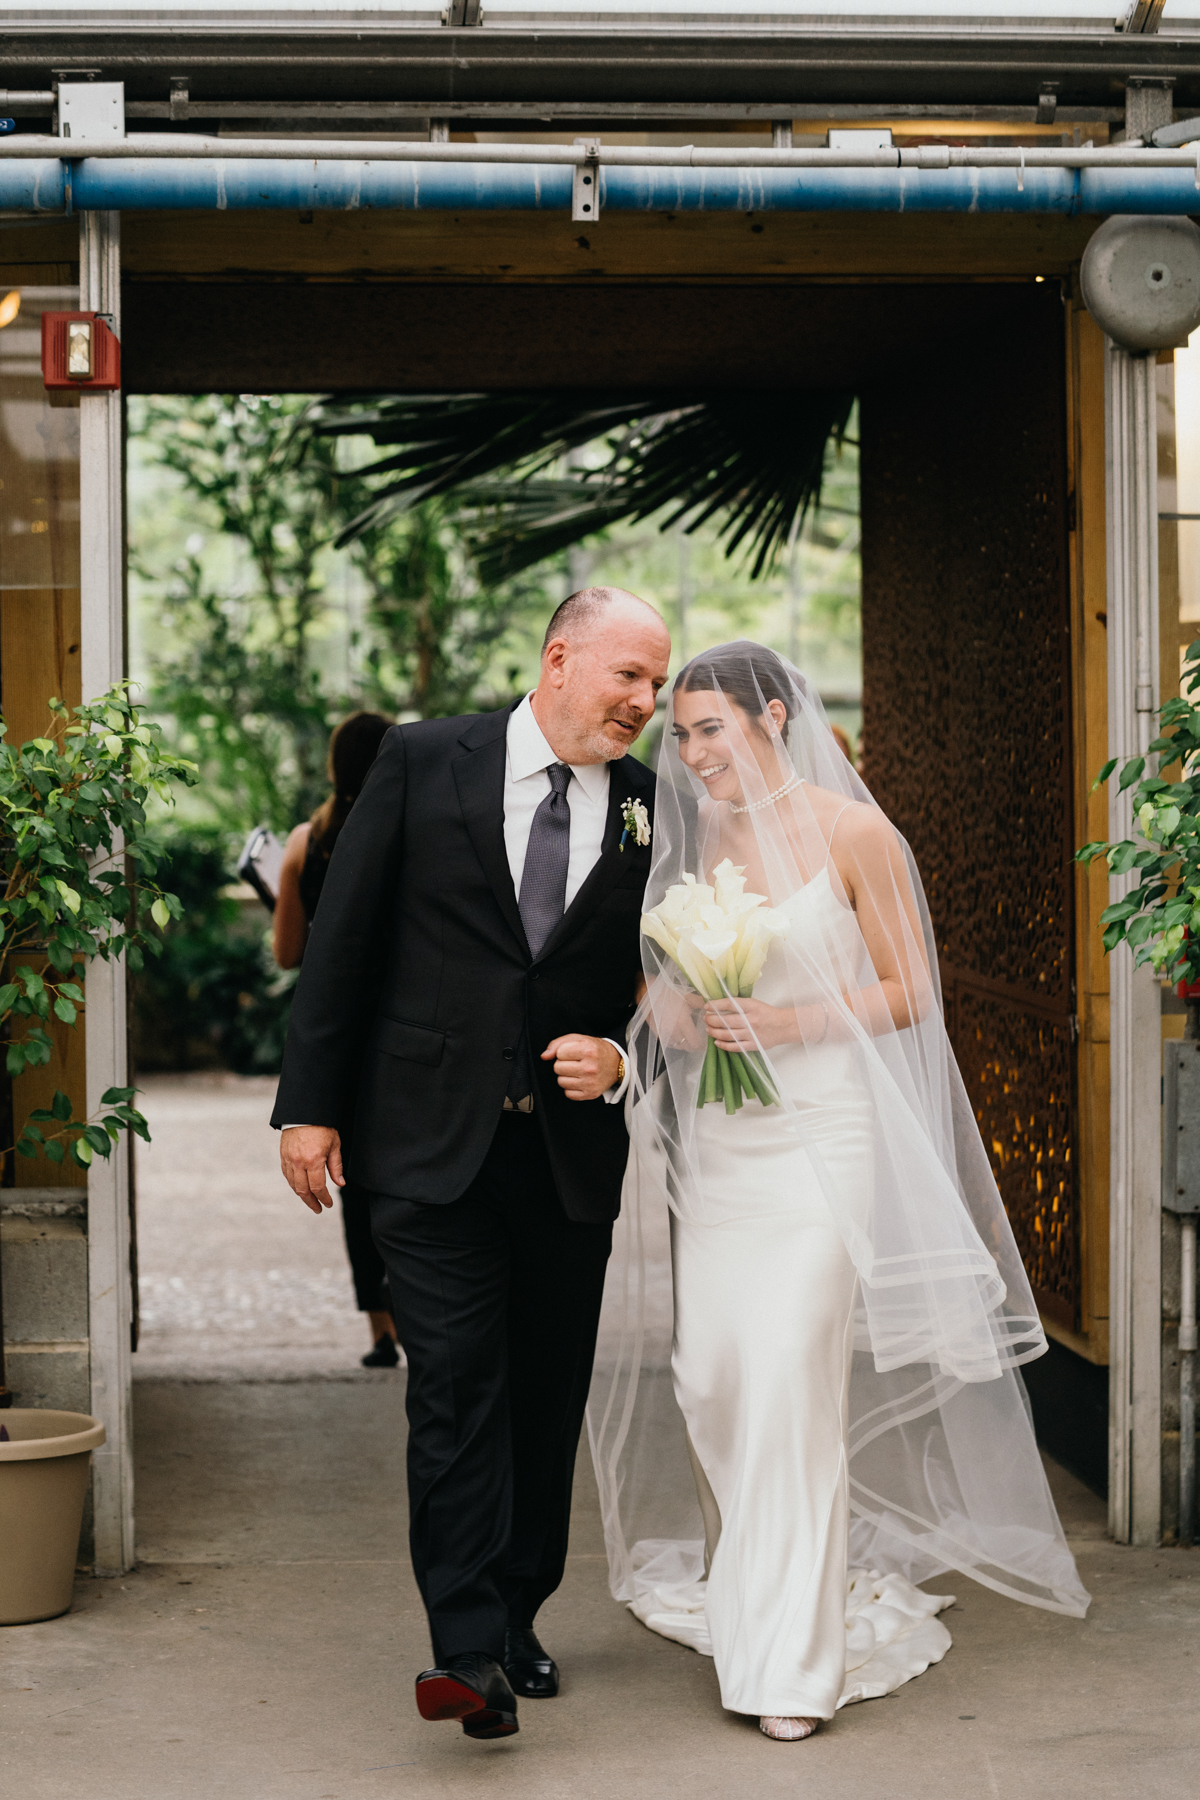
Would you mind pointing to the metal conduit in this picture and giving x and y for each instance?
(172, 147)
(158, 173)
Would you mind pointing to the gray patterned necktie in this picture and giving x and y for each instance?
(544, 877)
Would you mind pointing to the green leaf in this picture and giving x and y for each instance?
(1123, 858)
(112, 1096)
(1131, 772)
(31, 1131)
(98, 1138)
(1167, 820)
(1120, 909)
(55, 1150)
(25, 1148)
(9, 993)
(65, 1011)
(160, 912)
(60, 1106)
(71, 990)
(14, 1059)
(82, 1151)
(1139, 930)
(1112, 936)
(60, 955)
(1104, 774)
(1177, 912)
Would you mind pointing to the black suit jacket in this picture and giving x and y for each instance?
(417, 980)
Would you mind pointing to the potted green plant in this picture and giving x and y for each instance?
(1159, 919)
(77, 866)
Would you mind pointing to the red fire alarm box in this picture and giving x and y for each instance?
(80, 350)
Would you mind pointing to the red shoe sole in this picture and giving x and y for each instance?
(442, 1697)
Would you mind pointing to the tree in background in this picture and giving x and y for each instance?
(433, 627)
(237, 673)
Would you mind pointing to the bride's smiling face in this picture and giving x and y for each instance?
(714, 738)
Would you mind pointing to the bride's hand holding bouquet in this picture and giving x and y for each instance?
(719, 937)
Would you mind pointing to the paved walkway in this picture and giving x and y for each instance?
(264, 1648)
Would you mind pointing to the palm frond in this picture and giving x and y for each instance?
(755, 461)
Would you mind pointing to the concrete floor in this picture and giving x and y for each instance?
(265, 1646)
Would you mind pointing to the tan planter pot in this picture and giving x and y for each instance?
(43, 1481)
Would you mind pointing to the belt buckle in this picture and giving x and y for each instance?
(523, 1105)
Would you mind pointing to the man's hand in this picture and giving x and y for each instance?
(586, 1066)
(304, 1153)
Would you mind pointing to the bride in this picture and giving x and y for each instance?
(849, 1307)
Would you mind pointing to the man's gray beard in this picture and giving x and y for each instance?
(604, 749)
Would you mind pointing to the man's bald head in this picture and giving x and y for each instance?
(583, 613)
(603, 662)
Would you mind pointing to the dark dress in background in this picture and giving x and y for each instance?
(366, 1265)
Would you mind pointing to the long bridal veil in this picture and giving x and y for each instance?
(944, 1472)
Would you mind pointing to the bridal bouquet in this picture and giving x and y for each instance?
(719, 937)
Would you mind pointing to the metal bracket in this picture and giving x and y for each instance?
(1047, 104)
(585, 184)
(1143, 16)
(462, 12)
(1181, 1127)
(179, 96)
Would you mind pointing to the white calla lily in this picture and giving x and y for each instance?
(720, 936)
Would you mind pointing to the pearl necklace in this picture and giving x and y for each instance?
(793, 781)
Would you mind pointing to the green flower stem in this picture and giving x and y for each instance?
(708, 1075)
(731, 1089)
(755, 1074)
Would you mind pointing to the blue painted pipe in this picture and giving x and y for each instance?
(137, 184)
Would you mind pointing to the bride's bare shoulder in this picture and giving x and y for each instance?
(859, 825)
(829, 804)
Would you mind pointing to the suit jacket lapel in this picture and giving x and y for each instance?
(613, 862)
(479, 776)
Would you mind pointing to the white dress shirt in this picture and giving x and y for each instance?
(526, 785)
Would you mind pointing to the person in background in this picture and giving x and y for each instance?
(842, 740)
(352, 750)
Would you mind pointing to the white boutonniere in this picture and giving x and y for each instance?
(637, 823)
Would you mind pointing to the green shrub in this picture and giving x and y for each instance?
(214, 998)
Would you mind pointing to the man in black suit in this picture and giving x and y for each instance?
(461, 1008)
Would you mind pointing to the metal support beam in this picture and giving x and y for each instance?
(1135, 1445)
(102, 654)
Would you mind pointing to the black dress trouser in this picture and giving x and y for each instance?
(496, 1298)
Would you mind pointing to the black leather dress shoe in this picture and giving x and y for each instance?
(472, 1687)
(385, 1354)
(527, 1665)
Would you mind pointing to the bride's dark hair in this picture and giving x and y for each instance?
(748, 674)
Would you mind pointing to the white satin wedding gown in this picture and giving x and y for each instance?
(764, 1306)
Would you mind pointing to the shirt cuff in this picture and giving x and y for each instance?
(293, 1126)
(617, 1092)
